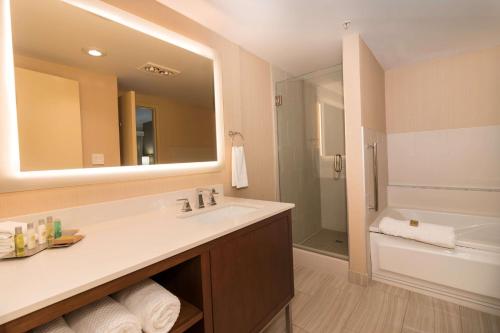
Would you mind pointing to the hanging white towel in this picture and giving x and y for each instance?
(155, 306)
(103, 316)
(239, 168)
(435, 234)
(58, 325)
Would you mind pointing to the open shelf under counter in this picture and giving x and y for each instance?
(188, 317)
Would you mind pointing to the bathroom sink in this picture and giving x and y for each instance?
(219, 213)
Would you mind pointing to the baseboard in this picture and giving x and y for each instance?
(361, 279)
(338, 267)
(477, 302)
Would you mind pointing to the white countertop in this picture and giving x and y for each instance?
(113, 248)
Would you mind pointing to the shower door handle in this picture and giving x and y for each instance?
(375, 176)
(337, 165)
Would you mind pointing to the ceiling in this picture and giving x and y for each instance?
(55, 31)
(301, 36)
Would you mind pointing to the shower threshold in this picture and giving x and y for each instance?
(327, 242)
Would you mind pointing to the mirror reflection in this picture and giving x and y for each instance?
(92, 93)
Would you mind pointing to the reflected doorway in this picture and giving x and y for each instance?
(145, 132)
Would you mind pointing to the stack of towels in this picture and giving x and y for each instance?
(145, 307)
(7, 232)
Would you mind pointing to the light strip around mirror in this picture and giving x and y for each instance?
(13, 179)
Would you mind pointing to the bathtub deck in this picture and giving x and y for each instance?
(326, 303)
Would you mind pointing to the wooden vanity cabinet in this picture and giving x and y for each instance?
(236, 283)
(252, 276)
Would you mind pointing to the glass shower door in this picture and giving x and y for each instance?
(311, 158)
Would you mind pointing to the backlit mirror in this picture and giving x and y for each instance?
(92, 93)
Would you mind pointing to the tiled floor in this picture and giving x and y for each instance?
(324, 303)
(328, 241)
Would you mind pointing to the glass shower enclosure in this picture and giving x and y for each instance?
(311, 156)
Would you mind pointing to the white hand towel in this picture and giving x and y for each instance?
(103, 316)
(155, 306)
(58, 325)
(436, 234)
(239, 168)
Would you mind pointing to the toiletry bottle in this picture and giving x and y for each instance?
(31, 241)
(42, 232)
(19, 242)
(57, 229)
(50, 232)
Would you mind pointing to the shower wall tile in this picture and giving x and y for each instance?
(464, 157)
(468, 202)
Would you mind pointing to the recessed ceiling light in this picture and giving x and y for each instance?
(93, 52)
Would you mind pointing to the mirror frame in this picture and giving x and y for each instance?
(13, 179)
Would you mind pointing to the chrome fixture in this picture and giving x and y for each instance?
(186, 206)
(211, 197)
(233, 134)
(375, 177)
(337, 165)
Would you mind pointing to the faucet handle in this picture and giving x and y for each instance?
(211, 198)
(186, 206)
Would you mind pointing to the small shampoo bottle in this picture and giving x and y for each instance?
(42, 232)
(50, 231)
(19, 242)
(31, 241)
(57, 229)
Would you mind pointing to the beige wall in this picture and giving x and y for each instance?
(257, 127)
(98, 107)
(372, 90)
(184, 133)
(239, 85)
(354, 154)
(452, 92)
(364, 119)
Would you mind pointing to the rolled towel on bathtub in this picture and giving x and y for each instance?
(155, 306)
(103, 316)
(58, 325)
(435, 234)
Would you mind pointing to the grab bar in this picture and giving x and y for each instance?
(375, 176)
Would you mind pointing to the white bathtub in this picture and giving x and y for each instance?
(468, 274)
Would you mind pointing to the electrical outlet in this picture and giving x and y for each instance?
(97, 159)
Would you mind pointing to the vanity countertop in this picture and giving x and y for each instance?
(113, 248)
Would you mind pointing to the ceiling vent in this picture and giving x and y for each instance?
(152, 68)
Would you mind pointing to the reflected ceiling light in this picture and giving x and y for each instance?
(93, 52)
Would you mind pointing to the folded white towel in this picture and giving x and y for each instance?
(103, 316)
(155, 306)
(239, 168)
(58, 325)
(7, 232)
(10, 227)
(436, 234)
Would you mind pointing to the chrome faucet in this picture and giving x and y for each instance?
(186, 207)
(211, 197)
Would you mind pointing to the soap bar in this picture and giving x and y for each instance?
(67, 240)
